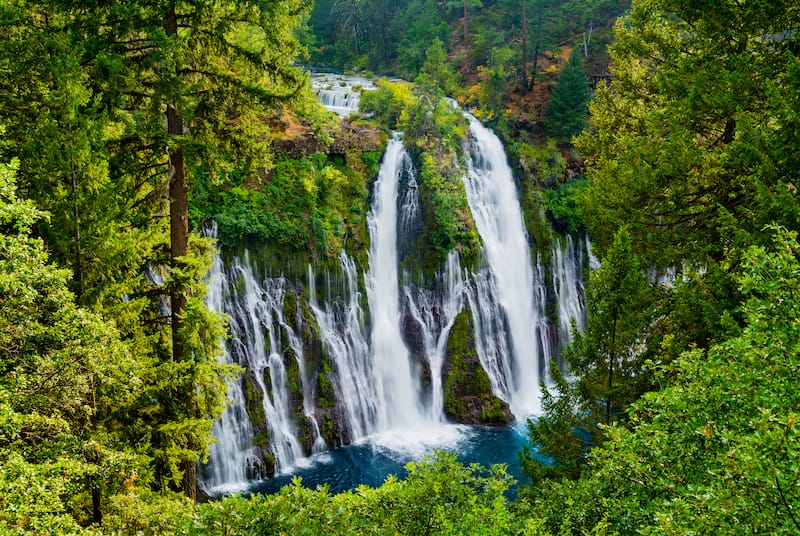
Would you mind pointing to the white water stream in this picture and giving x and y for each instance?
(514, 353)
(340, 93)
(396, 385)
(384, 394)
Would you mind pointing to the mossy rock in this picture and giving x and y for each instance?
(290, 309)
(327, 429)
(447, 220)
(261, 439)
(254, 402)
(468, 396)
(326, 397)
(269, 463)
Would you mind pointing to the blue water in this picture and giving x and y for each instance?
(370, 462)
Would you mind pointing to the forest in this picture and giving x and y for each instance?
(142, 143)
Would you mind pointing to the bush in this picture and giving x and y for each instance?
(387, 102)
(439, 496)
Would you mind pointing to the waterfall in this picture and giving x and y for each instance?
(516, 352)
(384, 337)
(232, 457)
(343, 331)
(566, 267)
(411, 223)
(309, 394)
(435, 313)
(376, 379)
(395, 381)
(491, 337)
(264, 343)
(256, 321)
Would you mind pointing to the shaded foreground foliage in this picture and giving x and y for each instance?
(715, 452)
(439, 496)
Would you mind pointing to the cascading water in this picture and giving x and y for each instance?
(435, 313)
(491, 337)
(567, 273)
(411, 223)
(382, 385)
(495, 207)
(231, 457)
(264, 343)
(338, 93)
(257, 312)
(343, 331)
(376, 381)
(395, 381)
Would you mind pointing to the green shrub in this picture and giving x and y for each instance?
(563, 207)
(439, 496)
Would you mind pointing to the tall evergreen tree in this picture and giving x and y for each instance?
(436, 73)
(67, 381)
(605, 365)
(568, 109)
(689, 147)
(112, 107)
(683, 148)
(211, 70)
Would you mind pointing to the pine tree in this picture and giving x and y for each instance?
(112, 108)
(605, 365)
(567, 111)
(209, 71)
(436, 74)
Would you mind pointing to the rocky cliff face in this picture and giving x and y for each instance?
(468, 396)
(300, 142)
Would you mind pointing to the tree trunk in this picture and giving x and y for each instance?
(534, 64)
(79, 290)
(179, 243)
(189, 482)
(178, 229)
(524, 50)
(611, 356)
(465, 25)
(97, 511)
(587, 37)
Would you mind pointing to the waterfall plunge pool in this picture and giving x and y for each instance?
(371, 460)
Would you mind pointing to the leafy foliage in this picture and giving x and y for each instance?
(315, 204)
(84, 95)
(716, 450)
(439, 496)
(563, 206)
(605, 366)
(436, 73)
(683, 138)
(67, 383)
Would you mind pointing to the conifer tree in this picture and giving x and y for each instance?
(436, 74)
(211, 70)
(567, 111)
(604, 366)
(112, 108)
